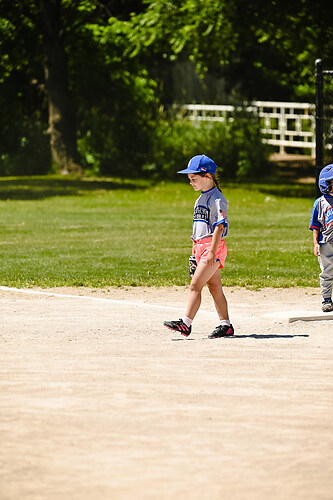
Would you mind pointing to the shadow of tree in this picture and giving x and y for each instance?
(38, 188)
(289, 190)
(294, 178)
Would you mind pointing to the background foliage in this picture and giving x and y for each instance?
(236, 146)
(122, 59)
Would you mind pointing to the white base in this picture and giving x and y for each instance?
(291, 316)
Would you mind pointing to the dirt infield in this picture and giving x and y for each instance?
(100, 401)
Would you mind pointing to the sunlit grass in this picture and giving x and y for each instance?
(110, 232)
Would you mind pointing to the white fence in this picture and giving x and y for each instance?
(283, 124)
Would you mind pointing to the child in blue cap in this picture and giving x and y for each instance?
(210, 226)
(321, 224)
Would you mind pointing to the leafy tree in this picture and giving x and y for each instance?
(22, 87)
(55, 69)
(115, 97)
(35, 64)
(83, 79)
(263, 49)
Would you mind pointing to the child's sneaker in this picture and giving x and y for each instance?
(178, 326)
(327, 305)
(222, 331)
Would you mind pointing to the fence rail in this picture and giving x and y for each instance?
(283, 124)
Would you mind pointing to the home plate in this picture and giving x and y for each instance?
(291, 316)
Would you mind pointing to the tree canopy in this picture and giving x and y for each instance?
(264, 50)
(81, 79)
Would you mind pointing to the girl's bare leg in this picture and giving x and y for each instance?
(215, 288)
(202, 275)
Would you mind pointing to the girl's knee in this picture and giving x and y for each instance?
(195, 286)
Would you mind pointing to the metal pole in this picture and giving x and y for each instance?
(319, 121)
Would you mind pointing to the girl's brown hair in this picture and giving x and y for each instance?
(216, 182)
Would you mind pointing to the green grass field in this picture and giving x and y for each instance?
(111, 232)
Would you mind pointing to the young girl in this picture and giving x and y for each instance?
(210, 225)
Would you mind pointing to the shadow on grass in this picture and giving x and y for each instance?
(278, 187)
(289, 190)
(294, 178)
(38, 188)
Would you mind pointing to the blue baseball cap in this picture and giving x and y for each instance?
(199, 164)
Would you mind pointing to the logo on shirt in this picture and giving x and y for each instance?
(201, 213)
(328, 215)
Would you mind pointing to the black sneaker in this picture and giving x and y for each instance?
(327, 306)
(178, 326)
(222, 331)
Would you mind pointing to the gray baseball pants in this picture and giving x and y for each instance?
(326, 265)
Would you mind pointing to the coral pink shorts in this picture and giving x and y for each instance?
(201, 249)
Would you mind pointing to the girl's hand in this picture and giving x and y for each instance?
(210, 259)
(316, 249)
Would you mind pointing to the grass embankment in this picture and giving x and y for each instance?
(100, 233)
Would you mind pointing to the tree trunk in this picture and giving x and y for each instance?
(62, 123)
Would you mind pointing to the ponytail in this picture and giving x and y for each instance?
(216, 182)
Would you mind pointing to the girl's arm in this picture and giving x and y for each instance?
(217, 235)
(316, 249)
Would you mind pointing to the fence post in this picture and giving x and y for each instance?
(282, 127)
(319, 121)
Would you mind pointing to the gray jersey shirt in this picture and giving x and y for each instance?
(322, 218)
(210, 209)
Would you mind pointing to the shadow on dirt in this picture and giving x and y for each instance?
(261, 337)
(251, 336)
